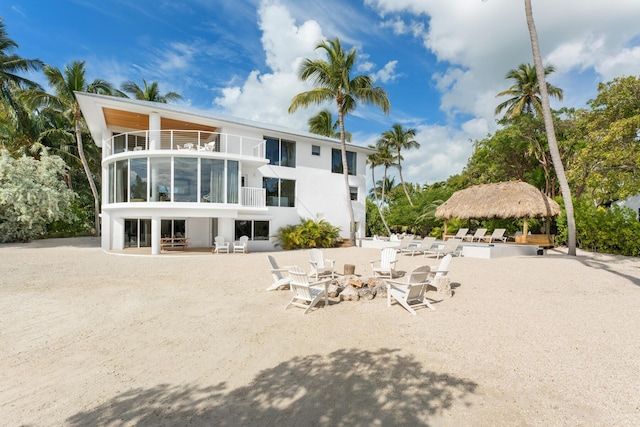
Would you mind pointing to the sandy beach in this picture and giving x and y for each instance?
(92, 338)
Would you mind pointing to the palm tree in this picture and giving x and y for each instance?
(64, 102)
(149, 92)
(10, 63)
(525, 92)
(323, 124)
(333, 82)
(375, 159)
(398, 139)
(551, 134)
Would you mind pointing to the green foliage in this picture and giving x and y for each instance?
(612, 230)
(307, 234)
(375, 226)
(32, 195)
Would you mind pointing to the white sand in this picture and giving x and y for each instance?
(89, 338)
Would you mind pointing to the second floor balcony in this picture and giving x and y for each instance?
(186, 141)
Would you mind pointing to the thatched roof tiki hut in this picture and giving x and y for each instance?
(514, 199)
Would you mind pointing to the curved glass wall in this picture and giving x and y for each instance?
(174, 179)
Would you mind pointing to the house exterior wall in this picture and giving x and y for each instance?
(319, 193)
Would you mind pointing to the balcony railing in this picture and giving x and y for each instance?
(253, 197)
(185, 141)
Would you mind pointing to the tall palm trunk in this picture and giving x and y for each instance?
(551, 134)
(345, 173)
(404, 187)
(375, 196)
(96, 198)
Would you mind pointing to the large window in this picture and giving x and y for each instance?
(233, 181)
(138, 180)
(255, 230)
(160, 179)
(336, 161)
(280, 192)
(173, 228)
(281, 152)
(212, 177)
(185, 182)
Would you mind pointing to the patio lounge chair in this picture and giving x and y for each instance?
(451, 246)
(425, 245)
(306, 294)
(497, 236)
(280, 274)
(479, 234)
(405, 242)
(386, 263)
(410, 294)
(220, 245)
(461, 233)
(320, 266)
(241, 245)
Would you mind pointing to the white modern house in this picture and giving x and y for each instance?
(172, 171)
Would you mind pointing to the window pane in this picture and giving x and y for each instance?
(315, 150)
(271, 187)
(112, 182)
(185, 183)
(138, 180)
(351, 162)
(261, 230)
(243, 228)
(212, 176)
(287, 193)
(273, 150)
(232, 181)
(354, 193)
(122, 188)
(160, 179)
(288, 155)
(165, 228)
(336, 161)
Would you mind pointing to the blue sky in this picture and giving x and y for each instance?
(441, 62)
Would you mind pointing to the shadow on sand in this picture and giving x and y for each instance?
(347, 387)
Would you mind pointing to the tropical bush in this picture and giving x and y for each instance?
(613, 230)
(308, 234)
(32, 195)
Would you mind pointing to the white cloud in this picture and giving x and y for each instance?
(387, 73)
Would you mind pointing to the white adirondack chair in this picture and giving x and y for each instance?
(320, 266)
(410, 294)
(307, 294)
(386, 264)
(438, 279)
(220, 245)
(280, 274)
(241, 245)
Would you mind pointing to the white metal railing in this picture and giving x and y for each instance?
(253, 197)
(185, 141)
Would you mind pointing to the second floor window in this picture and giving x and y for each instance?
(336, 161)
(281, 152)
(280, 192)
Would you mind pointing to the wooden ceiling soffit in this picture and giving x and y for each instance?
(138, 121)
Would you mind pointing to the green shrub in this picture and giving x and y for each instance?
(308, 234)
(614, 230)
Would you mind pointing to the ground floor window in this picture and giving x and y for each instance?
(173, 228)
(255, 230)
(137, 233)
